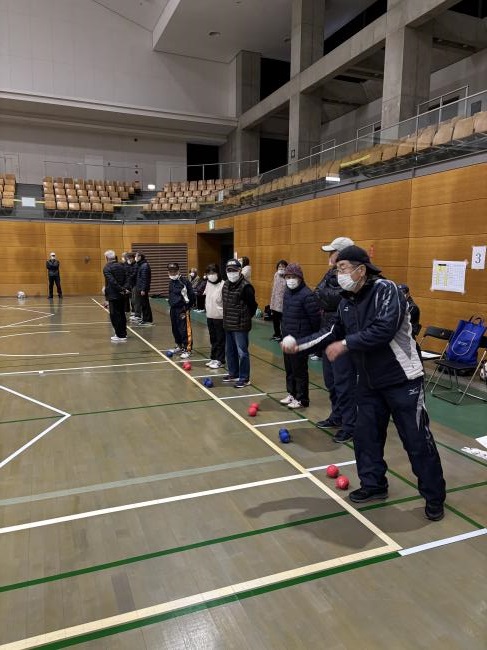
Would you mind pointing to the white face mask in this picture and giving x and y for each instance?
(233, 276)
(192, 274)
(292, 283)
(346, 281)
(281, 271)
(213, 277)
(173, 277)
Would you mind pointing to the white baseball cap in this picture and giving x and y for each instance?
(53, 255)
(338, 244)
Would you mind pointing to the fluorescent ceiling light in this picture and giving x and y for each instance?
(334, 178)
(151, 186)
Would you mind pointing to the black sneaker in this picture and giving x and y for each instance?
(242, 383)
(368, 494)
(229, 378)
(342, 436)
(434, 512)
(328, 424)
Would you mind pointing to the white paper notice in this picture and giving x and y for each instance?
(448, 276)
(28, 202)
(478, 257)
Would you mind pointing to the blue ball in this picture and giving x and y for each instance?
(208, 383)
(284, 436)
(169, 353)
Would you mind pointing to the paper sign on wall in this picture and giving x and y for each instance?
(448, 276)
(478, 257)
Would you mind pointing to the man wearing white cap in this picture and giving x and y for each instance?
(340, 375)
(52, 266)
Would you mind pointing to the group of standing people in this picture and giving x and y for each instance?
(127, 287)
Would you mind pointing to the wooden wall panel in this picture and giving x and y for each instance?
(454, 186)
(380, 198)
(320, 210)
(463, 218)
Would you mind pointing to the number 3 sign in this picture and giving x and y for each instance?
(478, 257)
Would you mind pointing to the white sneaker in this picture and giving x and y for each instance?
(134, 317)
(117, 339)
(294, 404)
(185, 355)
(177, 350)
(314, 357)
(287, 400)
(214, 365)
(208, 364)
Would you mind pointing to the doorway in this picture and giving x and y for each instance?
(214, 248)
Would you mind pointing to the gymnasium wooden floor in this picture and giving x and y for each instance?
(142, 510)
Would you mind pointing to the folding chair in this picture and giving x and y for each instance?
(453, 370)
(440, 334)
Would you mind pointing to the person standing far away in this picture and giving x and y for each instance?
(340, 377)
(181, 299)
(246, 268)
(372, 324)
(214, 316)
(115, 291)
(239, 307)
(277, 297)
(142, 288)
(300, 317)
(52, 266)
(413, 310)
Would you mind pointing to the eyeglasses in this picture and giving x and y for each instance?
(347, 268)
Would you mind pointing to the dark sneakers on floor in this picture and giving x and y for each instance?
(368, 494)
(434, 512)
(342, 436)
(242, 383)
(327, 424)
(229, 378)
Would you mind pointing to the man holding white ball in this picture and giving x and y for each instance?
(373, 325)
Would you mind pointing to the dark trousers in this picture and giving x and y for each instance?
(405, 403)
(297, 377)
(217, 339)
(117, 316)
(181, 328)
(55, 279)
(200, 301)
(136, 302)
(144, 307)
(340, 379)
(276, 321)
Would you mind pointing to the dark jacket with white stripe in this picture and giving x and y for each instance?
(175, 296)
(376, 326)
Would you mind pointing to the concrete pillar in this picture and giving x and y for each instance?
(247, 79)
(304, 125)
(307, 33)
(407, 71)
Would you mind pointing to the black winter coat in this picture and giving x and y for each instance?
(175, 296)
(142, 282)
(115, 280)
(300, 312)
(52, 267)
(328, 292)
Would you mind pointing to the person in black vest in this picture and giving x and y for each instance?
(340, 377)
(142, 288)
(413, 310)
(238, 308)
(181, 300)
(52, 266)
(115, 291)
(300, 317)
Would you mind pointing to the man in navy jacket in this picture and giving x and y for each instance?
(181, 298)
(373, 326)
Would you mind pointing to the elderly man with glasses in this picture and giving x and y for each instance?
(373, 325)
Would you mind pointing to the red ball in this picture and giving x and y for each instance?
(255, 406)
(252, 412)
(342, 483)
(186, 366)
(332, 471)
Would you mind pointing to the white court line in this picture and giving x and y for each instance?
(34, 311)
(196, 599)
(54, 354)
(442, 542)
(147, 504)
(209, 375)
(20, 322)
(270, 424)
(391, 544)
(6, 336)
(45, 371)
(16, 453)
(344, 464)
(96, 322)
(240, 396)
